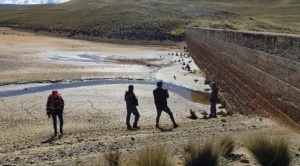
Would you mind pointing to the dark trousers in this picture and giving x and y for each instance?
(213, 109)
(167, 110)
(135, 112)
(61, 121)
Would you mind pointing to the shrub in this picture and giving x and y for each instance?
(270, 152)
(193, 115)
(157, 156)
(226, 145)
(113, 158)
(201, 155)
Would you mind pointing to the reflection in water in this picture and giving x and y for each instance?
(200, 97)
(195, 96)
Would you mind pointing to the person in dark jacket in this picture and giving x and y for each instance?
(54, 108)
(131, 103)
(213, 100)
(160, 100)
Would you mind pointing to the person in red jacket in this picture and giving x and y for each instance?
(55, 108)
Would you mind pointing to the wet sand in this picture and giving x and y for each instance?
(95, 115)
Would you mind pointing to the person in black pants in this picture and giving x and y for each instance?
(54, 108)
(160, 100)
(131, 103)
(213, 100)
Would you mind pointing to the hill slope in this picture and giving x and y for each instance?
(148, 20)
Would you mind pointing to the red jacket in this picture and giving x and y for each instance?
(54, 103)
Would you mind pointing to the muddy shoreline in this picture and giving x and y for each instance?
(194, 96)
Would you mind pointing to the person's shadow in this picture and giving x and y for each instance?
(164, 129)
(52, 139)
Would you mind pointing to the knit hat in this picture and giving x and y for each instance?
(54, 92)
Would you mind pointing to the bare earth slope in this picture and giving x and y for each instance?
(150, 20)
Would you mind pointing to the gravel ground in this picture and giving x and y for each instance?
(95, 115)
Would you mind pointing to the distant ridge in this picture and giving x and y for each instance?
(151, 20)
(31, 2)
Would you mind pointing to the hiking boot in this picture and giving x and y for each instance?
(136, 127)
(175, 125)
(128, 127)
(157, 126)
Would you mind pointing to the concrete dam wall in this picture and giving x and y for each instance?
(256, 72)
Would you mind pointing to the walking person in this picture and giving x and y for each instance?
(160, 100)
(55, 108)
(213, 100)
(131, 103)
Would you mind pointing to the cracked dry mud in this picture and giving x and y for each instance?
(95, 115)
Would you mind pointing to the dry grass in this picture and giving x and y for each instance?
(156, 156)
(196, 154)
(163, 20)
(270, 151)
(113, 158)
(193, 115)
(246, 25)
(226, 145)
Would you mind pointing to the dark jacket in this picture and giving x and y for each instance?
(214, 95)
(131, 99)
(160, 97)
(55, 103)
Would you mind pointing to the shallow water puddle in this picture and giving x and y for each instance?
(81, 58)
(200, 97)
(194, 96)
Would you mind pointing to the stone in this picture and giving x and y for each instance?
(245, 161)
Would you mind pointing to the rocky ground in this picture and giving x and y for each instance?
(95, 114)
